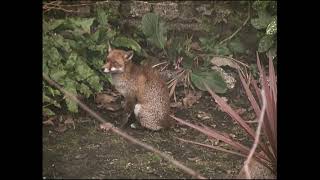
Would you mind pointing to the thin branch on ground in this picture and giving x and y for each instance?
(111, 127)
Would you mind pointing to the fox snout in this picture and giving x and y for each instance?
(106, 68)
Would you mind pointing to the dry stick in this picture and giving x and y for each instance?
(124, 135)
(244, 23)
(256, 140)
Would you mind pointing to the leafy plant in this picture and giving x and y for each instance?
(154, 30)
(73, 53)
(267, 155)
(266, 22)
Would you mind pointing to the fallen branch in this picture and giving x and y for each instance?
(123, 134)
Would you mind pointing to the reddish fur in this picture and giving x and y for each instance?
(141, 85)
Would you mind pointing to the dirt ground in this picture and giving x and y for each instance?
(84, 151)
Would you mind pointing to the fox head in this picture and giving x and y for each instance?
(116, 60)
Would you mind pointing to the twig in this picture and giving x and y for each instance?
(212, 147)
(159, 64)
(122, 134)
(256, 140)
(244, 23)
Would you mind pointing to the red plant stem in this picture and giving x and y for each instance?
(256, 140)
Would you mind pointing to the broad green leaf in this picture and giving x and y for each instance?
(54, 55)
(53, 92)
(99, 48)
(83, 70)
(272, 27)
(95, 36)
(102, 16)
(262, 21)
(70, 87)
(260, 5)
(46, 99)
(236, 46)
(47, 112)
(212, 78)
(84, 89)
(54, 24)
(265, 43)
(51, 101)
(58, 75)
(60, 42)
(128, 43)
(154, 30)
(84, 23)
(45, 68)
(94, 82)
(221, 50)
(71, 61)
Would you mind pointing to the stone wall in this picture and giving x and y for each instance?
(181, 15)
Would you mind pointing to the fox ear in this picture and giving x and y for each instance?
(129, 55)
(109, 47)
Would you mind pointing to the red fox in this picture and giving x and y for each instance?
(145, 93)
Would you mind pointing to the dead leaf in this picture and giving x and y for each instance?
(50, 121)
(176, 105)
(240, 111)
(191, 98)
(61, 128)
(195, 46)
(69, 120)
(105, 126)
(203, 115)
(104, 98)
(222, 61)
(112, 107)
(195, 159)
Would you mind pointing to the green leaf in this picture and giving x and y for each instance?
(212, 78)
(47, 112)
(95, 36)
(272, 27)
(83, 23)
(53, 92)
(102, 16)
(236, 46)
(71, 61)
(99, 48)
(94, 82)
(154, 30)
(53, 24)
(263, 21)
(54, 56)
(60, 42)
(45, 68)
(84, 89)
(128, 43)
(260, 5)
(70, 87)
(50, 101)
(83, 70)
(265, 43)
(221, 50)
(58, 75)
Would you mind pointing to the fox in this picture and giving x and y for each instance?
(145, 92)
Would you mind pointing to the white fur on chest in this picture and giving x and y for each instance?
(125, 87)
